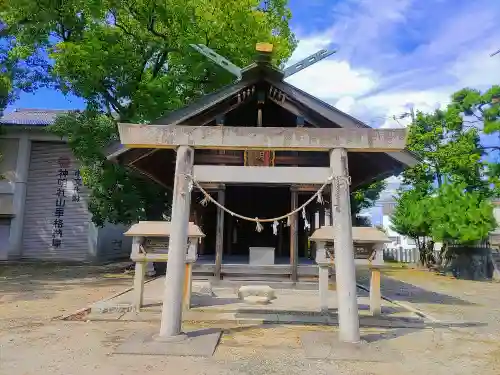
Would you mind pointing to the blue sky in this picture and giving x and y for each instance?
(392, 55)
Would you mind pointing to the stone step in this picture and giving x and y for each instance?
(234, 283)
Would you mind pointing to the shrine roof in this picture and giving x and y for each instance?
(359, 234)
(160, 229)
(262, 76)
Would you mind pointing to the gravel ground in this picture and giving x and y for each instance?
(446, 298)
(32, 343)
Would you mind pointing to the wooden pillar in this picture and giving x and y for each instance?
(311, 245)
(345, 268)
(229, 234)
(219, 236)
(280, 240)
(375, 295)
(188, 286)
(294, 251)
(171, 315)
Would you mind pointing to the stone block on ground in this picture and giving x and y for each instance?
(256, 291)
(203, 288)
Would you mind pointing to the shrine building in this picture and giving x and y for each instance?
(277, 178)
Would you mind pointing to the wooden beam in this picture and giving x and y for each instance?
(243, 138)
(294, 235)
(309, 188)
(219, 234)
(212, 186)
(304, 159)
(255, 175)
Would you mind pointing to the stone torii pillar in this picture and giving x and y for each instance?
(171, 316)
(345, 270)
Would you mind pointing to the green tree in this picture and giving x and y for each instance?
(482, 111)
(131, 61)
(449, 152)
(460, 216)
(411, 217)
(446, 196)
(362, 198)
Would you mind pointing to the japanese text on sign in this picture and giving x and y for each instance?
(62, 181)
(77, 183)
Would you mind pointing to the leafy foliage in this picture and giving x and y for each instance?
(483, 111)
(365, 197)
(446, 196)
(411, 214)
(131, 60)
(460, 216)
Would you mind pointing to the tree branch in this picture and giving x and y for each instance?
(113, 101)
(160, 62)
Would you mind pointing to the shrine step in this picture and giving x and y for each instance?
(284, 284)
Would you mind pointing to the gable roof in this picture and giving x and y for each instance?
(293, 100)
(250, 76)
(31, 117)
(266, 72)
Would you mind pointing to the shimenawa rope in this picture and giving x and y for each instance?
(318, 196)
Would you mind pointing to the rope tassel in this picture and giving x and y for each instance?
(320, 199)
(275, 227)
(204, 201)
(306, 225)
(259, 228)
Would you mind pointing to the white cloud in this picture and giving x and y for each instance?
(395, 55)
(334, 79)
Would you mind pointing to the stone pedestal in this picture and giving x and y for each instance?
(261, 256)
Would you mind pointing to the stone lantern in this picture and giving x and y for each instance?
(151, 244)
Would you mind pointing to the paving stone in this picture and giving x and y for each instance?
(256, 300)
(200, 343)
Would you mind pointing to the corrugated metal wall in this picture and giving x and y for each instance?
(56, 223)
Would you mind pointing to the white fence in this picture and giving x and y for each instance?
(405, 255)
(402, 255)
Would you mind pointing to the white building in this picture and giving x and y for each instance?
(43, 209)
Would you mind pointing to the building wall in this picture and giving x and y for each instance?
(8, 149)
(32, 214)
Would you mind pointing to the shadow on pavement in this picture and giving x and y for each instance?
(401, 291)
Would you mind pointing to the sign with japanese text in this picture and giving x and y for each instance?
(69, 184)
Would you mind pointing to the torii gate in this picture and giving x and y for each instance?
(186, 139)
